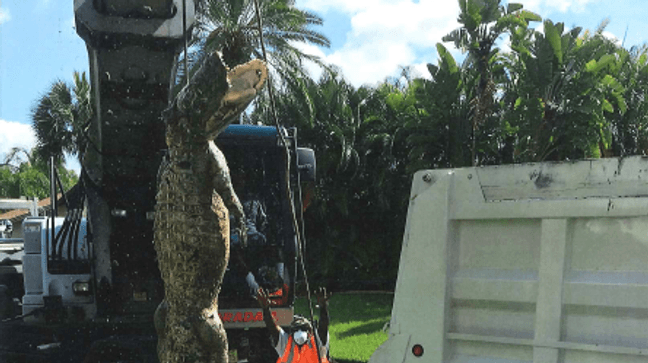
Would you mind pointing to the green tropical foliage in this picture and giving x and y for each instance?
(25, 174)
(629, 129)
(558, 94)
(60, 118)
(442, 136)
(561, 90)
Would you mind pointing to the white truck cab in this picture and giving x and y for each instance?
(45, 282)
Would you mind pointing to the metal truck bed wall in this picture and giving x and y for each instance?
(539, 263)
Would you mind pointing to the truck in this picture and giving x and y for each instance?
(11, 277)
(91, 282)
(540, 262)
(11, 256)
(71, 314)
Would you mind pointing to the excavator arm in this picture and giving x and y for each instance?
(132, 47)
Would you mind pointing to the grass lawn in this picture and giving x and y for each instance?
(357, 322)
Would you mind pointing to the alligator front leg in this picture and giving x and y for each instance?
(223, 185)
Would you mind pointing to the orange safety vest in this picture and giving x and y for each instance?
(306, 353)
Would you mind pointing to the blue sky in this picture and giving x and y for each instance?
(370, 40)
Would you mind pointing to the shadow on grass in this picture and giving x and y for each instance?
(367, 328)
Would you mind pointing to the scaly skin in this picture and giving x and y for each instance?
(191, 215)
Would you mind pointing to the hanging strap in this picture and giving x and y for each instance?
(287, 176)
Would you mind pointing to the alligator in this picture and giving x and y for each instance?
(193, 203)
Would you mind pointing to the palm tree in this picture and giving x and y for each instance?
(331, 131)
(232, 28)
(483, 22)
(60, 118)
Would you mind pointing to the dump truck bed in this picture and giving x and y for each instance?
(541, 263)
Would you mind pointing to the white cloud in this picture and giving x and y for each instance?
(504, 44)
(612, 37)
(15, 134)
(420, 70)
(544, 7)
(313, 69)
(339, 5)
(359, 6)
(5, 15)
(387, 34)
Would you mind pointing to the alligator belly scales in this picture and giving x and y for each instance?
(194, 199)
